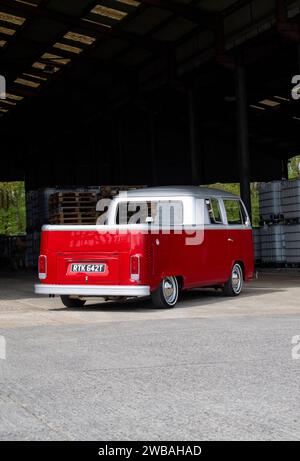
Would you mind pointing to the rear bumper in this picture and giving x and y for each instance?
(93, 290)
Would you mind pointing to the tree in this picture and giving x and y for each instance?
(12, 208)
(294, 167)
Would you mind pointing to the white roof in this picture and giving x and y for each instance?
(173, 191)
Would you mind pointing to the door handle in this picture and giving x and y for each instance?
(230, 240)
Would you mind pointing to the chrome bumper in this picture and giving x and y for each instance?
(93, 290)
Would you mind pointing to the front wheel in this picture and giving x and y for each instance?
(166, 295)
(234, 284)
(72, 302)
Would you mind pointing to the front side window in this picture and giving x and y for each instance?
(235, 212)
(214, 212)
(160, 213)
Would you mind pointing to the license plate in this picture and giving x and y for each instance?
(88, 267)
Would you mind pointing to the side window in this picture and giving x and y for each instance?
(235, 212)
(214, 211)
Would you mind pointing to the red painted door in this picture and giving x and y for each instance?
(216, 243)
(160, 250)
(216, 255)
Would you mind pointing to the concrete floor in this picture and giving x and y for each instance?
(213, 368)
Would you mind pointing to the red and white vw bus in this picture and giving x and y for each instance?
(152, 242)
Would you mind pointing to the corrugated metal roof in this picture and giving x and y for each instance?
(129, 32)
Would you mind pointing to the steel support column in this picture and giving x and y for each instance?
(193, 133)
(119, 148)
(153, 147)
(285, 169)
(242, 136)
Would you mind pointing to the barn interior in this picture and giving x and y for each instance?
(148, 92)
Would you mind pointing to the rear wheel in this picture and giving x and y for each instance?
(166, 295)
(68, 301)
(234, 284)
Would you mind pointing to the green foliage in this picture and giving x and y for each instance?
(255, 204)
(234, 188)
(294, 167)
(12, 208)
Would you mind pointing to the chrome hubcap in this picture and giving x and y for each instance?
(170, 289)
(237, 278)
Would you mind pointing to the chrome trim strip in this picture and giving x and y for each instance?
(141, 228)
(93, 290)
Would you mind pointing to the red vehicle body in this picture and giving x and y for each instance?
(151, 257)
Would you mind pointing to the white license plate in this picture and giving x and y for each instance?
(88, 267)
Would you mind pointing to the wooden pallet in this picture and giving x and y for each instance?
(73, 197)
(72, 200)
(63, 220)
(73, 194)
(61, 197)
(111, 191)
(73, 220)
(72, 209)
(74, 215)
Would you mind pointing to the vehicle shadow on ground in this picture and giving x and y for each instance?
(201, 297)
(193, 298)
(20, 286)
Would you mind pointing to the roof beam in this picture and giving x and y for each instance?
(195, 14)
(70, 21)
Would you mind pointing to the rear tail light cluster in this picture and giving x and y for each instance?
(135, 268)
(42, 267)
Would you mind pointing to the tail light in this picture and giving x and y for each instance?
(42, 267)
(135, 268)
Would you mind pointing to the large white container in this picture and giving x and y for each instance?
(292, 242)
(257, 243)
(290, 198)
(270, 206)
(272, 240)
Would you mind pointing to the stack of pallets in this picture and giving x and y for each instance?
(112, 191)
(73, 208)
(39, 205)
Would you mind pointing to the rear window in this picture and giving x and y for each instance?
(160, 213)
(235, 212)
